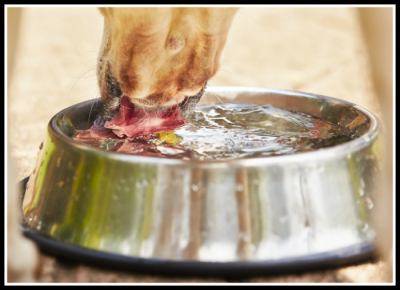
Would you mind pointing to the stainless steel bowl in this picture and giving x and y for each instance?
(264, 209)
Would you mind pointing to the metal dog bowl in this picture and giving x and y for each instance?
(265, 214)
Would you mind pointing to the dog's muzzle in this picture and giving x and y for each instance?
(112, 98)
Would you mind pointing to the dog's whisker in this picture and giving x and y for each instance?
(85, 72)
(91, 76)
(91, 61)
(226, 71)
(76, 79)
(218, 98)
(90, 112)
(90, 82)
(205, 99)
(95, 93)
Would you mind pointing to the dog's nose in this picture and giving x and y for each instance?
(175, 43)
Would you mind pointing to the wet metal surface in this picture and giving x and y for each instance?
(260, 209)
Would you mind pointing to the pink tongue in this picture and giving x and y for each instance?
(133, 122)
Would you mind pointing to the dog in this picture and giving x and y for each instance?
(158, 57)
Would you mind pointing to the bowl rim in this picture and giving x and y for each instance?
(324, 153)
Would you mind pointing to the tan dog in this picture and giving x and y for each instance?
(160, 56)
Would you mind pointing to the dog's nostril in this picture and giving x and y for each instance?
(175, 44)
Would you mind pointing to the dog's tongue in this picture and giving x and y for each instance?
(133, 121)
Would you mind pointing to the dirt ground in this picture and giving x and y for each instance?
(314, 50)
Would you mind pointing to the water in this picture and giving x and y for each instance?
(235, 130)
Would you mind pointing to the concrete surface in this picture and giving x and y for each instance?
(315, 50)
